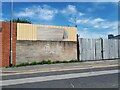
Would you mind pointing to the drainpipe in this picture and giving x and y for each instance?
(78, 46)
(102, 48)
(118, 39)
(11, 28)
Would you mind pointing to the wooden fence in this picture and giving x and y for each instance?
(98, 49)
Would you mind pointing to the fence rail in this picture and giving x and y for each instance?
(97, 49)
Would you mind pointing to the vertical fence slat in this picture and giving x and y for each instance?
(105, 49)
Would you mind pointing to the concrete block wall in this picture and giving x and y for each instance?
(6, 43)
(29, 51)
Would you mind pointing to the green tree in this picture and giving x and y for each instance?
(21, 21)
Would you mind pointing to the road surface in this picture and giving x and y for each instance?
(106, 77)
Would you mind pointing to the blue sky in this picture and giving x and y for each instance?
(94, 19)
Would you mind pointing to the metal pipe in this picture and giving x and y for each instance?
(118, 30)
(11, 28)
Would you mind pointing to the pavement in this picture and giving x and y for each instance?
(59, 67)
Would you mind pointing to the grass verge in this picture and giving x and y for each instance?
(41, 63)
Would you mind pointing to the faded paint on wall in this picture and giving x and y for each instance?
(51, 34)
(29, 51)
(42, 32)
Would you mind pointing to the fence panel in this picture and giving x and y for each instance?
(118, 48)
(110, 48)
(97, 49)
(92, 49)
(105, 49)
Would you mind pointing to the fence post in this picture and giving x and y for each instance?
(118, 48)
(78, 51)
(102, 48)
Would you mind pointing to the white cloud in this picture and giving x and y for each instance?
(98, 20)
(114, 32)
(74, 16)
(108, 25)
(47, 13)
(98, 23)
(88, 33)
(3, 19)
(91, 26)
(105, 27)
(27, 12)
(71, 10)
(44, 12)
(80, 14)
(96, 6)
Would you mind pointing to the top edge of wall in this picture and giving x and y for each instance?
(40, 25)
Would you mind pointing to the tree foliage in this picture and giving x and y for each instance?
(21, 21)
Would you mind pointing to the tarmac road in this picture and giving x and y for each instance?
(98, 74)
(96, 78)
